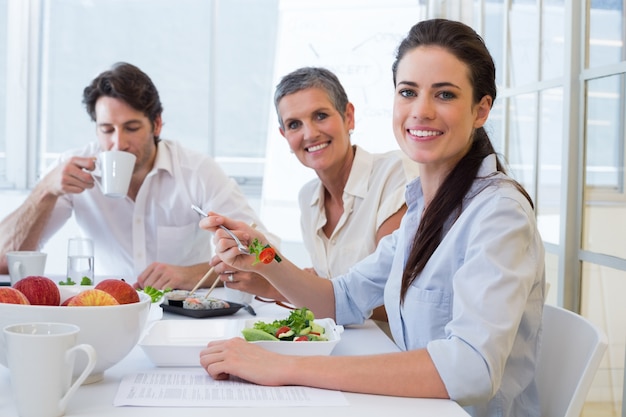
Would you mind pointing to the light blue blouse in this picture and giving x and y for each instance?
(477, 305)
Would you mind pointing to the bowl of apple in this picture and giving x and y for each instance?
(111, 315)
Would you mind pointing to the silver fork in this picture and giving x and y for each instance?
(242, 248)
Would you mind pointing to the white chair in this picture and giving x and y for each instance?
(569, 357)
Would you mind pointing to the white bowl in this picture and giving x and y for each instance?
(179, 342)
(332, 332)
(113, 331)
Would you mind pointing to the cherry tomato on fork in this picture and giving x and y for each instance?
(267, 255)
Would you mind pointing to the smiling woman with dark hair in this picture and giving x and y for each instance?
(462, 279)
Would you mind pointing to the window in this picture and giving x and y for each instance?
(214, 79)
(526, 124)
(522, 139)
(550, 152)
(605, 132)
(3, 90)
(606, 33)
(523, 54)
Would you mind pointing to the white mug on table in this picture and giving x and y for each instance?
(25, 263)
(41, 359)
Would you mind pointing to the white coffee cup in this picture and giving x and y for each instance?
(25, 263)
(115, 169)
(41, 359)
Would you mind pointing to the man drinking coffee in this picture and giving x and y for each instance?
(150, 236)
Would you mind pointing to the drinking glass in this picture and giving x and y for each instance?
(80, 260)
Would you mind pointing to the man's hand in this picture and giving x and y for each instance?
(160, 275)
(72, 177)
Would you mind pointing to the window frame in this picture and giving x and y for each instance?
(23, 93)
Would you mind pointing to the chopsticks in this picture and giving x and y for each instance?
(207, 275)
(212, 285)
(204, 278)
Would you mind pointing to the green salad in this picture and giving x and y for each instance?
(298, 327)
(155, 294)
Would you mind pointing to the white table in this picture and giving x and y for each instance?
(97, 399)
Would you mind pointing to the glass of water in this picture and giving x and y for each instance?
(80, 260)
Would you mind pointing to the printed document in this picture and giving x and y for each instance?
(195, 388)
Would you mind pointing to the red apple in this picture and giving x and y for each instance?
(67, 301)
(92, 297)
(39, 290)
(10, 295)
(122, 291)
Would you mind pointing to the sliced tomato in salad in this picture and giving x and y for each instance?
(284, 331)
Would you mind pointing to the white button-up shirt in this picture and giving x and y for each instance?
(373, 193)
(477, 305)
(159, 226)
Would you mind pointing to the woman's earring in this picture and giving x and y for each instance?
(350, 132)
